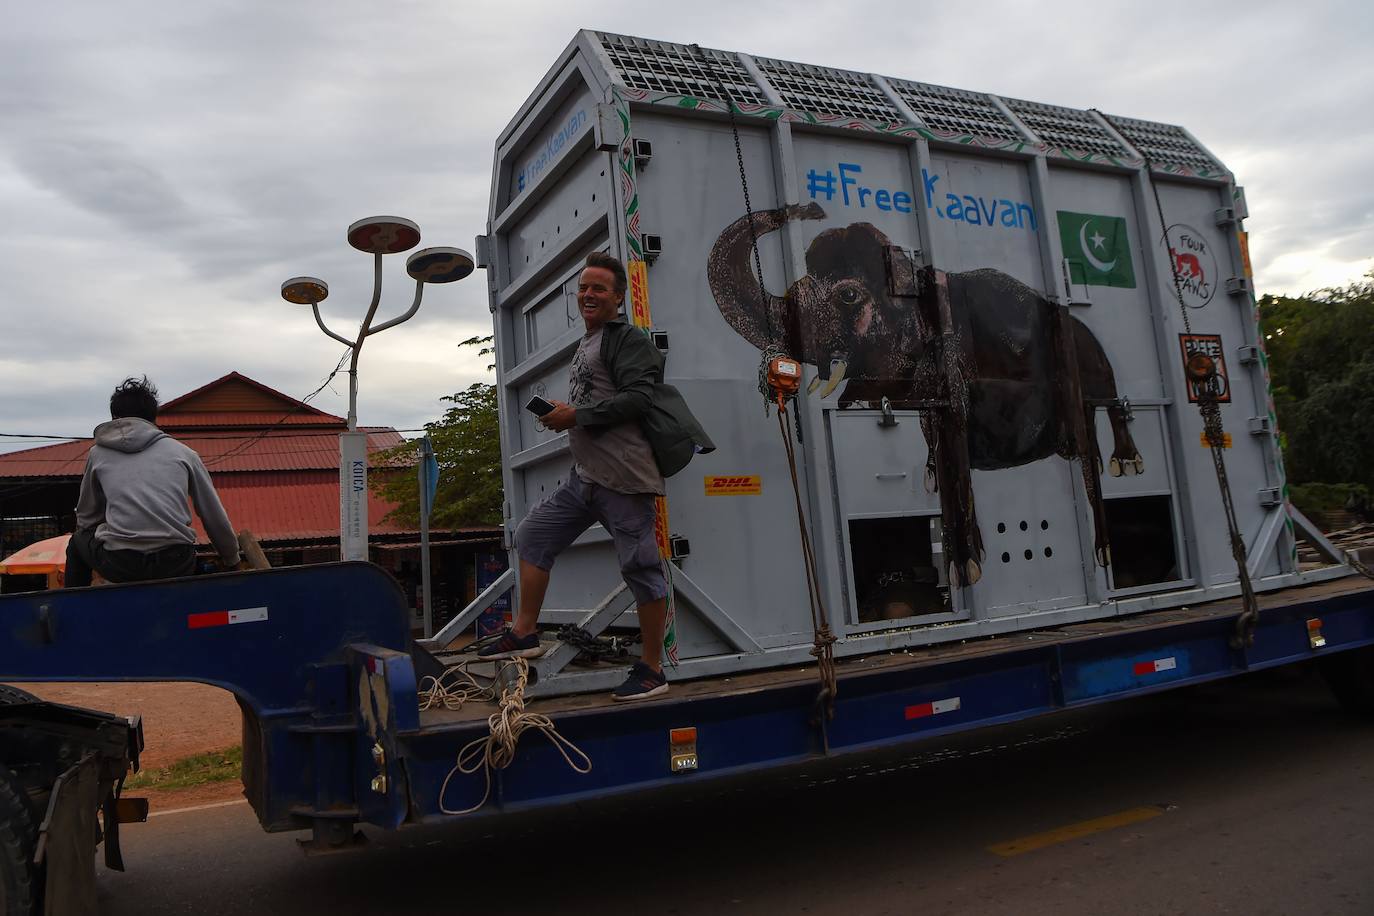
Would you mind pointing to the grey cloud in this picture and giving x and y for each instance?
(196, 155)
(105, 177)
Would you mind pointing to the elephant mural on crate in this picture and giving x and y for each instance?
(1002, 375)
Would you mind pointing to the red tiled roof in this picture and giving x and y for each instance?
(65, 459)
(232, 393)
(288, 506)
(203, 419)
(277, 450)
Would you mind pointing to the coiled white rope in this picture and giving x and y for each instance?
(496, 750)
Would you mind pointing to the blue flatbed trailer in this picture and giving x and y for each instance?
(322, 662)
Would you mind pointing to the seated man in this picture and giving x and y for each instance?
(132, 519)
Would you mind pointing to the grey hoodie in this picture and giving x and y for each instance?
(135, 488)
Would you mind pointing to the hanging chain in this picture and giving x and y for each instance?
(824, 641)
(774, 348)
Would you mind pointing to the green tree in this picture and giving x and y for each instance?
(1321, 366)
(1331, 431)
(1317, 338)
(467, 447)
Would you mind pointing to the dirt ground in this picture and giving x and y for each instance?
(179, 720)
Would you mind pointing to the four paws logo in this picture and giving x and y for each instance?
(1194, 264)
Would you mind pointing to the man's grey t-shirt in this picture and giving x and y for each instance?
(616, 457)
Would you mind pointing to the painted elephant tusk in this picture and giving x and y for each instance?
(815, 383)
(838, 367)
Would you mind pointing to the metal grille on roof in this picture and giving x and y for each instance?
(659, 66)
(1066, 128)
(674, 69)
(823, 91)
(1164, 144)
(955, 110)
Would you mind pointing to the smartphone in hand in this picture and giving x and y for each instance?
(538, 406)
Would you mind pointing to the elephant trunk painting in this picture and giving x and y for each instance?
(1003, 376)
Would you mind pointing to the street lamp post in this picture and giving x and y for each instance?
(378, 236)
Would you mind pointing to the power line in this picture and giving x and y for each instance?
(305, 400)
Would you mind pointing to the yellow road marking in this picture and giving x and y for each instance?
(1075, 831)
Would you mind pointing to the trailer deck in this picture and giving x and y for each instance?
(914, 658)
(769, 718)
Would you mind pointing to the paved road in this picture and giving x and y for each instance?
(1251, 797)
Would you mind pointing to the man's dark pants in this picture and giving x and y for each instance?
(85, 553)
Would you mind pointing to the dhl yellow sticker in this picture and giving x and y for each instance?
(739, 485)
(1244, 238)
(639, 294)
(661, 526)
(1225, 440)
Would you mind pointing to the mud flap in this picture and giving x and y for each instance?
(67, 839)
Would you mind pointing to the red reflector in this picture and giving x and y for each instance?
(208, 619)
(1169, 663)
(934, 708)
(682, 736)
(1314, 623)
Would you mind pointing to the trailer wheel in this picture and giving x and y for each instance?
(18, 836)
(1350, 675)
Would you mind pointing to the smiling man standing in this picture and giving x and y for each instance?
(615, 387)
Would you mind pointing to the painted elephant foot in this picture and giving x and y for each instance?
(972, 572)
(1104, 555)
(1128, 467)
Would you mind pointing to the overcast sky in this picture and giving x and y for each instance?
(165, 165)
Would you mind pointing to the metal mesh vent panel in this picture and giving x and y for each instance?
(955, 110)
(1066, 128)
(1165, 144)
(822, 91)
(657, 66)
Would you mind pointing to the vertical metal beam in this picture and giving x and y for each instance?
(919, 165)
(1051, 256)
(1161, 310)
(1262, 401)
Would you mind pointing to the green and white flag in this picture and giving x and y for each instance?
(1097, 249)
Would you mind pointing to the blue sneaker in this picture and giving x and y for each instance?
(643, 683)
(512, 646)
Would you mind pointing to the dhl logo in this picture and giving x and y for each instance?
(639, 294)
(661, 526)
(746, 485)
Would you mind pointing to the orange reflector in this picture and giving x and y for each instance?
(682, 736)
(1315, 639)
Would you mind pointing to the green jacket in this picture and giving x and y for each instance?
(636, 369)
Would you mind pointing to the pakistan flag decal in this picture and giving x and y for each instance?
(1097, 249)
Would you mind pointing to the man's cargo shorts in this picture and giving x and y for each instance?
(573, 508)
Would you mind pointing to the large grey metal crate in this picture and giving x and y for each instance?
(1045, 221)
